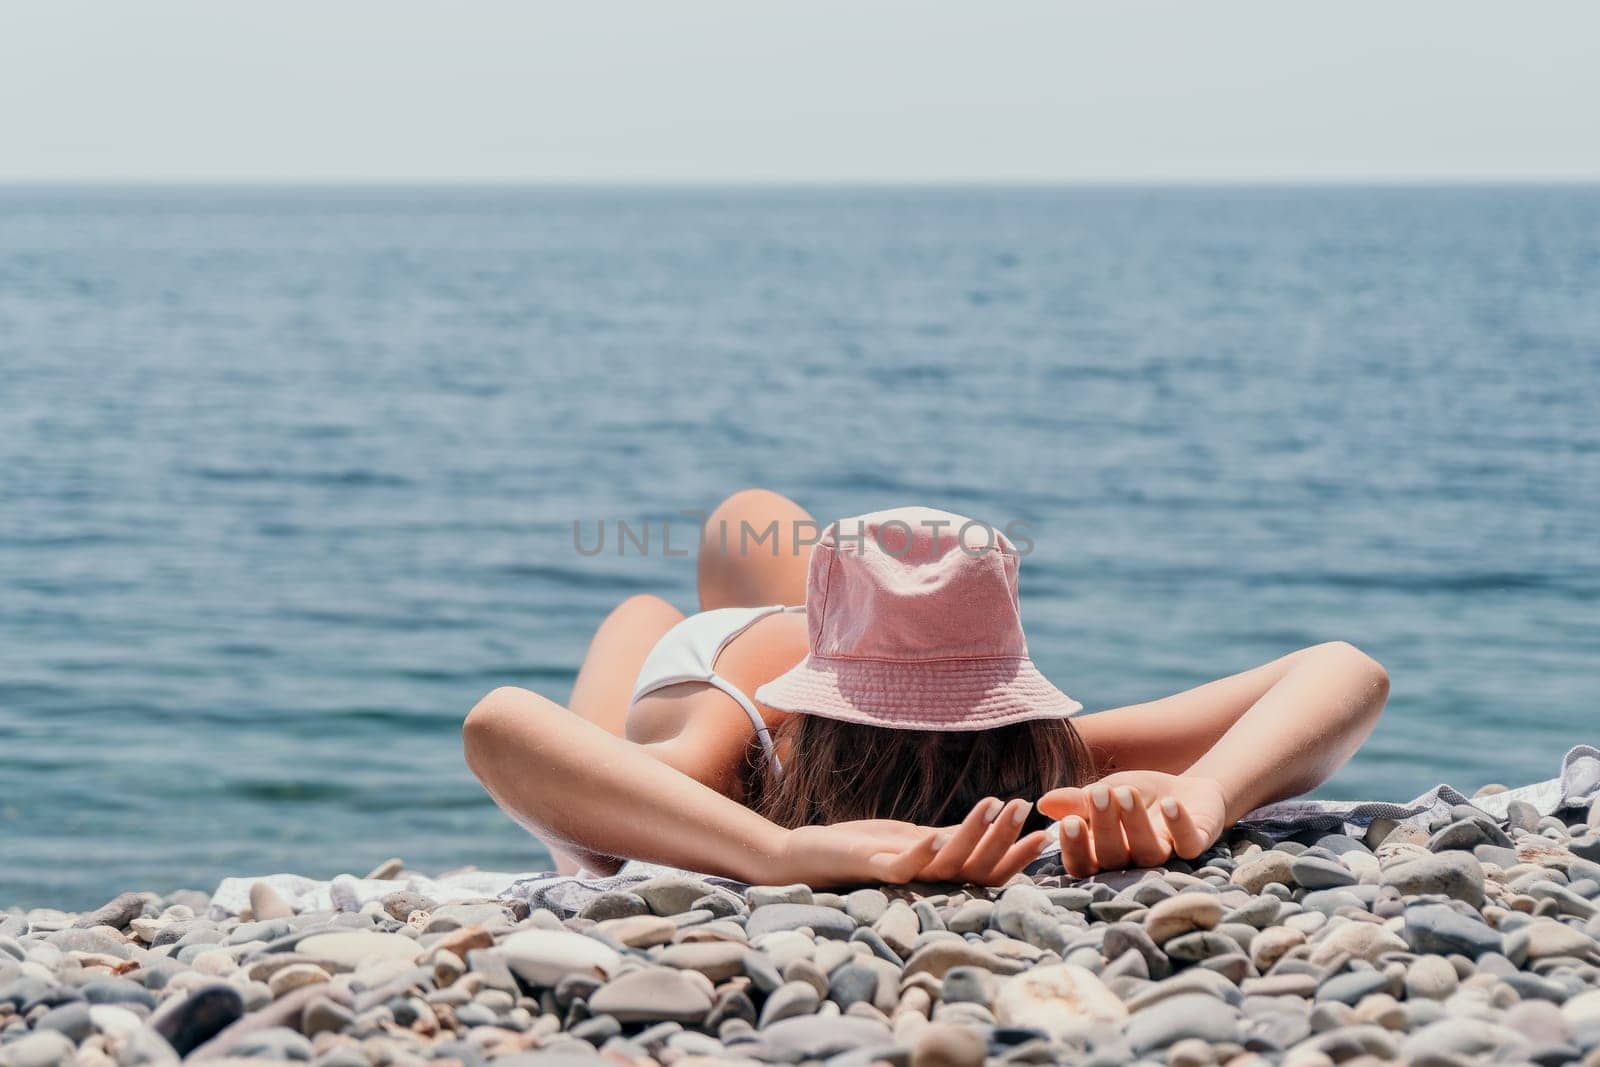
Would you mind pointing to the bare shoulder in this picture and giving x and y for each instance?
(697, 729)
(666, 712)
(763, 652)
(702, 731)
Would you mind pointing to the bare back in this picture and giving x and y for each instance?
(702, 731)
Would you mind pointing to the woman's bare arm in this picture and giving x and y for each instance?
(1171, 733)
(1181, 769)
(592, 793)
(1301, 730)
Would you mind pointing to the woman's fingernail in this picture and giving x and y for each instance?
(1020, 816)
(1125, 798)
(1101, 797)
(1169, 807)
(992, 809)
(1072, 827)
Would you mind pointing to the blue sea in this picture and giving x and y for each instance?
(289, 477)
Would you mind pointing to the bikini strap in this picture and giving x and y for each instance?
(762, 733)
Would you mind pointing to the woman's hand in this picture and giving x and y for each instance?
(982, 849)
(1135, 819)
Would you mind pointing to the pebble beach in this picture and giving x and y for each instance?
(1471, 940)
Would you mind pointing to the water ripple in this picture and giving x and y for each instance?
(290, 475)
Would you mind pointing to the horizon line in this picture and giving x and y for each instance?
(1109, 182)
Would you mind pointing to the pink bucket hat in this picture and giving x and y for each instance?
(914, 625)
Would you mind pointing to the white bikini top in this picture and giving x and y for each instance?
(688, 653)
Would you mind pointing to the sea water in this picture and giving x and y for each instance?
(289, 477)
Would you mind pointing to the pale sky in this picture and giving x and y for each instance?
(799, 90)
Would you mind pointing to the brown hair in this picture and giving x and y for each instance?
(835, 771)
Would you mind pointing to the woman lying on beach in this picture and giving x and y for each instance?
(865, 710)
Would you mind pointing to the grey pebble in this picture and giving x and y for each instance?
(796, 1039)
(400, 905)
(974, 916)
(1115, 910)
(870, 937)
(1463, 1037)
(1234, 966)
(265, 930)
(1586, 847)
(1259, 912)
(1531, 987)
(1467, 834)
(967, 984)
(690, 1043)
(344, 1056)
(1195, 980)
(117, 991)
(1319, 872)
(760, 896)
(186, 1024)
(1521, 815)
(671, 894)
(1439, 928)
(852, 983)
(614, 904)
(1184, 1017)
(71, 1019)
(1350, 987)
(324, 1015)
(1016, 902)
(1339, 844)
(788, 1001)
(1469, 947)
(43, 1048)
(1329, 901)
(93, 941)
(1504, 858)
(866, 906)
(763, 975)
(1128, 965)
(1123, 937)
(1352, 1042)
(597, 1029)
(824, 922)
(1452, 874)
(1200, 945)
(273, 1043)
(718, 906)
(731, 1005)
(813, 971)
(116, 913)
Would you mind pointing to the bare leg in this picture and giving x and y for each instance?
(616, 652)
(611, 666)
(748, 556)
